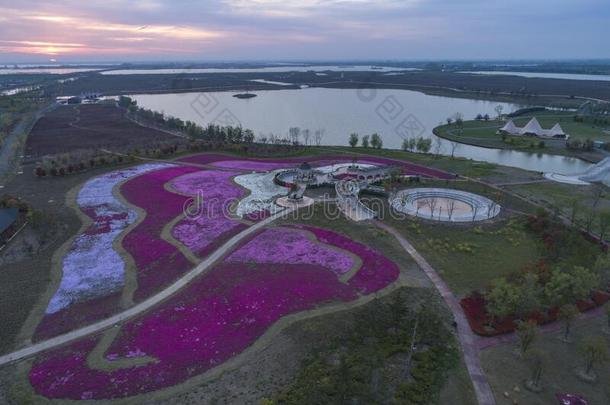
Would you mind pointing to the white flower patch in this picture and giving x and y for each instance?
(92, 268)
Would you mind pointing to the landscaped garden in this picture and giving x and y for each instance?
(220, 315)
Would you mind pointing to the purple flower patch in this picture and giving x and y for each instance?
(212, 224)
(376, 272)
(283, 245)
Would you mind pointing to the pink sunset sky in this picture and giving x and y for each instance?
(164, 30)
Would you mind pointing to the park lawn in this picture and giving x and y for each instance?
(483, 133)
(505, 370)
(470, 257)
(562, 196)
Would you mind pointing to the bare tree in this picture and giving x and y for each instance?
(498, 109)
(318, 136)
(294, 134)
(431, 203)
(454, 146)
(451, 208)
(306, 136)
(438, 143)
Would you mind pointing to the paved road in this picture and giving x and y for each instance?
(467, 338)
(11, 143)
(144, 305)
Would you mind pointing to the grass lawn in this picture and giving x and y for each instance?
(483, 133)
(470, 256)
(563, 196)
(506, 371)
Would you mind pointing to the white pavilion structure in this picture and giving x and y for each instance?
(533, 128)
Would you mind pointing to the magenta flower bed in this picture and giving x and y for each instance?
(77, 314)
(212, 225)
(158, 262)
(213, 320)
(376, 272)
(288, 246)
(252, 165)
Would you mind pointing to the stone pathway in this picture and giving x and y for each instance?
(144, 305)
(467, 338)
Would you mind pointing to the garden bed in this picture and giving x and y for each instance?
(218, 316)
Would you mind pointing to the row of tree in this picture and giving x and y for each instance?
(374, 141)
(218, 134)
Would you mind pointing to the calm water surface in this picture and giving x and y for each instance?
(394, 114)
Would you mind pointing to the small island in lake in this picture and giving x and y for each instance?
(244, 95)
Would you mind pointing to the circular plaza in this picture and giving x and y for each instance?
(446, 205)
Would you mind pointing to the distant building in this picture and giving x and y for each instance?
(533, 128)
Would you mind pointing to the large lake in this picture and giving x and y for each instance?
(394, 114)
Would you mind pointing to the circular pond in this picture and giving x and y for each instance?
(443, 204)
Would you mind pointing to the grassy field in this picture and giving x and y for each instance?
(559, 375)
(590, 201)
(483, 133)
(470, 257)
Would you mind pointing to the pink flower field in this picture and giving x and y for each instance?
(287, 246)
(158, 262)
(218, 316)
(212, 226)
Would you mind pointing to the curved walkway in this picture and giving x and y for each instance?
(467, 338)
(144, 305)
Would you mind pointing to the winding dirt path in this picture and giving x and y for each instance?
(466, 337)
(145, 305)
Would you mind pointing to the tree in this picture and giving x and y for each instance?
(438, 143)
(502, 299)
(536, 361)
(353, 139)
(365, 141)
(574, 210)
(294, 133)
(604, 224)
(454, 146)
(601, 268)
(376, 141)
(459, 121)
(318, 136)
(530, 293)
(449, 120)
(405, 144)
(567, 314)
(423, 145)
(527, 332)
(594, 351)
(498, 109)
(567, 287)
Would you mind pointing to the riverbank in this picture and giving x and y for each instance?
(484, 134)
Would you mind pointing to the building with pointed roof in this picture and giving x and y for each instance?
(533, 128)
